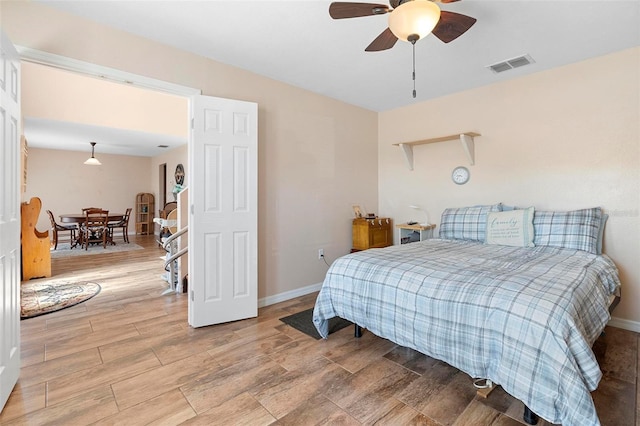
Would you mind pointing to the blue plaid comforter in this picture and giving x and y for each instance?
(525, 318)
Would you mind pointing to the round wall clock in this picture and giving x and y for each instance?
(460, 175)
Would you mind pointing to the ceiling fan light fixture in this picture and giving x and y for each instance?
(414, 19)
(93, 161)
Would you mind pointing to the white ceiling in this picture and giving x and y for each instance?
(296, 42)
(64, 110)
(73, 136)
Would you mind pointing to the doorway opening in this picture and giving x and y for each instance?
(105, 130)
(162, 184)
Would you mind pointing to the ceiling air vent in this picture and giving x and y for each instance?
(520, 61)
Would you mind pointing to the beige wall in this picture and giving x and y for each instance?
(171, 158)
(66, 185)
(563, 139)
(55, 94)
(317, 156)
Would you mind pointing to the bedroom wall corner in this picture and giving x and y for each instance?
(560, 139)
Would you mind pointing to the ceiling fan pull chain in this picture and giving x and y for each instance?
(414, 68)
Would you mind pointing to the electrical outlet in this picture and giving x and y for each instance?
(320, 254)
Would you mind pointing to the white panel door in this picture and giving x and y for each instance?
(223, 195)
(9, 218)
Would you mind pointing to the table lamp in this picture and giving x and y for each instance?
(426, 223)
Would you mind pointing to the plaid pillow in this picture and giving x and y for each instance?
(577, 229)
(466, 223)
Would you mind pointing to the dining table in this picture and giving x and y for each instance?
(79, 218)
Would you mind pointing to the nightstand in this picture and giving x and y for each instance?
(415, 232)
(372, 233)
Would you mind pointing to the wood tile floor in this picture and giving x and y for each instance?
(128, 357)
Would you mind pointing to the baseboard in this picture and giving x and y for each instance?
(287, 295)
(625, 324)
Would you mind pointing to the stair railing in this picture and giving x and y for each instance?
(170, 262)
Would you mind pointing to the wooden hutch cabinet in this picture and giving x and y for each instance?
(144, 213)
(372, 233)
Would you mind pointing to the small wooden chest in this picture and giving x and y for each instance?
(372, 233)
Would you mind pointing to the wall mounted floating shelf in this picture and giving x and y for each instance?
(465, 138)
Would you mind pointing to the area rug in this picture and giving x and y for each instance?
(303, 321)
(64, 250)
(39, 298)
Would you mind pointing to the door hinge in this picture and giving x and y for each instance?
(192, 209)
(192, 296)
(192, 123)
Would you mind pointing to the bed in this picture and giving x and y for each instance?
(522, 314)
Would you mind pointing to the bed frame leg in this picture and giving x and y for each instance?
(357, 331)
(529, 416)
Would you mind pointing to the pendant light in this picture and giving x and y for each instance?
(93, 161)
(412, 21)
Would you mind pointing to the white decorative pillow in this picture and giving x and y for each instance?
(511, 228)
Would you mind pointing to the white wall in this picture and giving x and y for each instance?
(562, 139)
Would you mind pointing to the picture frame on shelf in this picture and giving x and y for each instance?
(358, 212)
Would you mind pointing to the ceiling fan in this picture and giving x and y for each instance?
(409, 20)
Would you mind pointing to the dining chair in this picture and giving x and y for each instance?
(56, 228)
(90, 208)
(122, 225)
(94, 228)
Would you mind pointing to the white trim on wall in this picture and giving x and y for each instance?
(625, 324)
(102, 72)
(287, 295)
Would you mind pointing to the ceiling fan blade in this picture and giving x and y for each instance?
(452, 25)
(396, 3)
(386, 40)
(340, 10)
